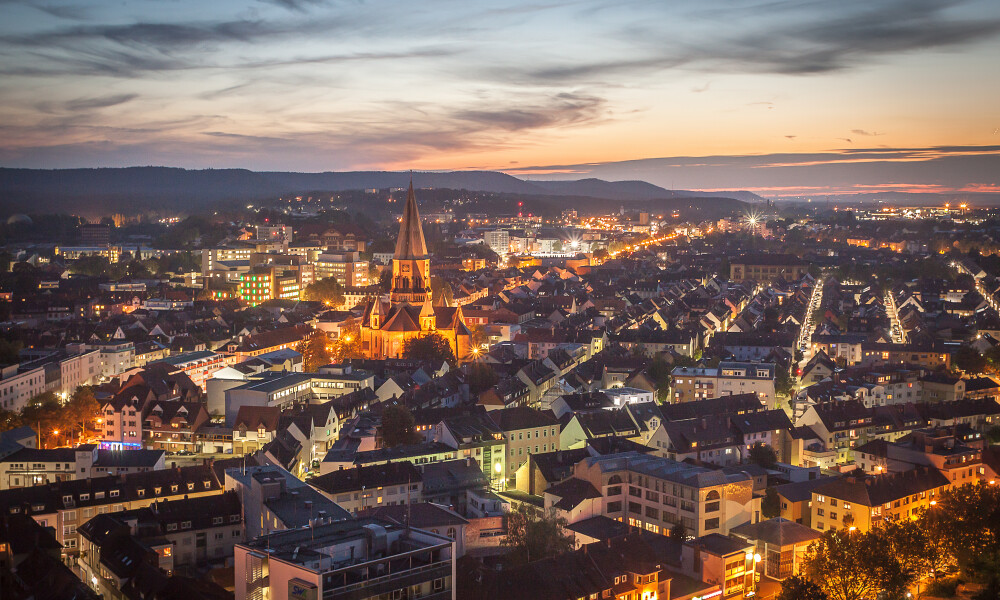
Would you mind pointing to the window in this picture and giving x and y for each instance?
(171, 526)
(712, 523)
(216, 520)
(438, 584)
(186, 525)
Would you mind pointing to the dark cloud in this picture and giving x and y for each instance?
(563, 109)
(81, 104)
(866, 133)
(296, 5)
(812, 38)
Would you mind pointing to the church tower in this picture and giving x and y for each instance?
(411, 265)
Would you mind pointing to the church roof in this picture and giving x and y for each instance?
(401, 318)
(410, 244)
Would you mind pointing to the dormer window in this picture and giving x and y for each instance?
(157, 490)
(190, 486)
(173, 488)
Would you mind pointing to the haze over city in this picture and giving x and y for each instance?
(780, 98)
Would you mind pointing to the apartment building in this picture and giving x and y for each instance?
(68, 504)
(188, 532)
(655, 493)
(527, 431)
(30, 466)
(345, 560)
(364, 487)
(698, 383)
(274, 500)
(346, 267)
(863, 502)
(263, 283)
(200, 366)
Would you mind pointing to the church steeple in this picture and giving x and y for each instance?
(411, 266)
(410, 244)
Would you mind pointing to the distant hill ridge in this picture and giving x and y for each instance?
(42, 190)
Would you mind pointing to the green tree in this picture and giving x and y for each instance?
(348, 342)
(328, 291)
(480, 377)
(856, 566)
(993, 434)
(534, 535)
(969, 360)
(81, 412)
(659, 371)
(797, 587)
(967, 519)
(315, 350)
(398, 426)
(770, 506)
(9, 420)
(9, 351)
(762, 454)
(678, 532)
(431, 347)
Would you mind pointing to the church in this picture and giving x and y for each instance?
(410, 311)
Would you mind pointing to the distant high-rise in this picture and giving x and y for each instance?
(95, 234)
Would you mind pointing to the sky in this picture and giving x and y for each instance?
(778, 97)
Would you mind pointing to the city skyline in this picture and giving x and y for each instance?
(777, 98)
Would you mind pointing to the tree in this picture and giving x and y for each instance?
(678, 532)
(478, 336)
(398, 426)
(9, 351)
(771, 504)
(328, 291)
(348, 342)
(315, 351)
(797, 587)
(480, 377)
(850, 565)
(431, 347)
(659, 372)
(9, 420)
(784, 384)
(534, 535)
(969, 360)
(81, 412)
(993, 434)
(967, 519)
(762, 454)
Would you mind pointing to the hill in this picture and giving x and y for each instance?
(97, 192)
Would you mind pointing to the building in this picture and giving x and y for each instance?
(767, 267)
(346, 267)
(190, 532)
(31, 467)
(498, 241)
(68, 504)
(527, 431)
(360, 558)
(264, 283)
(200, 366)
(410, 312)
(781, 544)
(655, 493)
(95, 234)
(364, 487)
(698, 383)
(862, 502)
(274, 500)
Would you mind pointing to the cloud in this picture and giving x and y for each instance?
(806, 39)
(867, 133)
(296, 5)
(563, 109)
(81, 104)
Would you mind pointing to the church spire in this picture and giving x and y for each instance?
(410, 244)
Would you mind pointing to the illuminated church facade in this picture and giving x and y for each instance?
(410, 311)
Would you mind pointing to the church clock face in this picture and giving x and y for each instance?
(406, 268)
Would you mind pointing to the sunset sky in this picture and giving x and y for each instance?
(779, 97)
